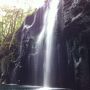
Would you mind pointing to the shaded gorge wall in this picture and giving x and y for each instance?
(77, 34)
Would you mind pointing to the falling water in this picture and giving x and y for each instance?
(47, 35)
(25, 30)
(52, 13)
(49, 26)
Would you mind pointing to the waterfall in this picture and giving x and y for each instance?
(52, 16)
(43, 41)
(47, 33)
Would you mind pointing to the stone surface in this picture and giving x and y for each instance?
(77, 36)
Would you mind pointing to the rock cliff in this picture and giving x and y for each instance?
(77, 38)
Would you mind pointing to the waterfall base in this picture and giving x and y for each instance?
(28, 87)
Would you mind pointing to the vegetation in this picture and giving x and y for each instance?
(10, 21)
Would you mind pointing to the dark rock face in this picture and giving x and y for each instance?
(77, 35)
(74, 9)
(26, 39)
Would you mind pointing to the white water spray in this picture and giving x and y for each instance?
(51, 19)
(47, 33)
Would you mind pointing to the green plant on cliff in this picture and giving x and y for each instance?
(9, 24)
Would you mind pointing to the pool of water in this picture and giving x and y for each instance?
(27, 87)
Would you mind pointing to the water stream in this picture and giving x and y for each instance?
(46, 35)
(51, 21)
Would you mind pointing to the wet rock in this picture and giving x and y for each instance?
(77, 34)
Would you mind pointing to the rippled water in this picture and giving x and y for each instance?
(26, 87)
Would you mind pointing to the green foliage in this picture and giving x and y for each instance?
(10, 22)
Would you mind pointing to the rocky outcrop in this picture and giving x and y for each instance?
(77, 34)
(73, 9)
